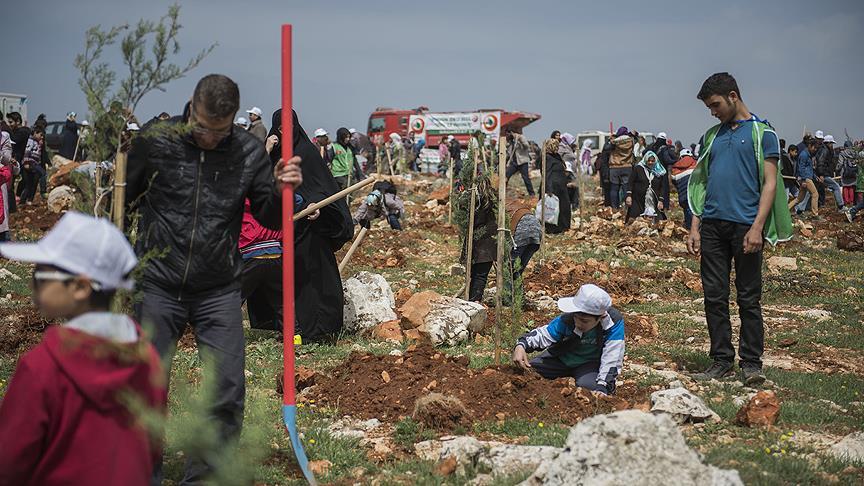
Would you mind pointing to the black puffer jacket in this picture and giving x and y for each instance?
(194, 205)
(824, 162)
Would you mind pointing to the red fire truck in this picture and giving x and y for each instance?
(433, 126)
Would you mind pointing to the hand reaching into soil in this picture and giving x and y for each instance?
(520, 358)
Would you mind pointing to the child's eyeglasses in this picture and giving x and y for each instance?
(56, 276)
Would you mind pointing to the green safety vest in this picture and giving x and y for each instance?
(778, 226)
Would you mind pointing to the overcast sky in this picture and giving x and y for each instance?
(632, 62)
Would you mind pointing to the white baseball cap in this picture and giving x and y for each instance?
(829, 139)
(320, 132)
(352, 131)
(590, 299)
(685, 152)
(85, 123)
(241, 121)
(662, 135)
(132, 127)
(255, 111)
(819, 134)
(82, 245)
(449, 138)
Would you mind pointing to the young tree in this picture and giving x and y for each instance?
(147, 52)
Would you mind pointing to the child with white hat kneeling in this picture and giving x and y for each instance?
(585, 342)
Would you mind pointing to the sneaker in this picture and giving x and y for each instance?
(752, 376)
(718, 370)
(849, 216)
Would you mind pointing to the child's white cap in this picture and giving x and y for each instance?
(590, 299)
(82, 245)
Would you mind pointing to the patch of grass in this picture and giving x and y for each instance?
(409, 432)
(532, 431)
(758, 467)
(840, 388)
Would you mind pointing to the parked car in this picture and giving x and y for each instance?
(54, 135)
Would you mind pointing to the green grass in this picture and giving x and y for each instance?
(531, 432)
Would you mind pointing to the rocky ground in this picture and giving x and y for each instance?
(382, 405)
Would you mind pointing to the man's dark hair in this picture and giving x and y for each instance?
(782, 143)
(14, 116)
(718, 84)
(793, 147)
(217, 96)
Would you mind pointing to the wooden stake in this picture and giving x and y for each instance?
(450, 205)
(543, 203)
(502, 233)
(470, 240)
(77, 143)
(118, 203)
(312, 207)
(360, 236)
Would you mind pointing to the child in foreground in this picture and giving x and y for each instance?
(585, 342)
(66, 418)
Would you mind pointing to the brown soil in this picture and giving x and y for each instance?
(20, 330)
(31, 222)
(387, 388)
(441, 412)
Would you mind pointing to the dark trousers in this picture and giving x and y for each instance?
(551, 367)
(606, 186)
(262, 291)
(218, 324)
(519, 258)
(526, 178)
(479, 277)
(30, 180)
(723, 243)
(393, 219)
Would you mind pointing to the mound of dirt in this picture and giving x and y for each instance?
(440, 412)
(388, 387)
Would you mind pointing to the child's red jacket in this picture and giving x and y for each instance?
(63, 418)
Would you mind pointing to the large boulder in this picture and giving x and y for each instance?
(445, 320)
(682, 406)
(369, 301)
(61, 198)
(629, 447)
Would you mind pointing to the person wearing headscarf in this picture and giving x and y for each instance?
(585, 156)
(647, 182)
(69, 136)
(556, 184)
(484, 247)
(565, 148)
(317, 284)
(397, 154)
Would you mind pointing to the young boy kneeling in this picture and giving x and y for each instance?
(585, 342)
(66, 415)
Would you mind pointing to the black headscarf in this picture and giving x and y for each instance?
(318, 286)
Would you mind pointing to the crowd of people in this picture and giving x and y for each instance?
(208, 200)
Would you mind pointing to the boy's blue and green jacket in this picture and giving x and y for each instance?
(603, 344)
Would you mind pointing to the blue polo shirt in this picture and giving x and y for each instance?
(733, 175)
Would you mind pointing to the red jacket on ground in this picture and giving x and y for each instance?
(62, 420)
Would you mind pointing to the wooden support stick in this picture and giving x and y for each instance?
(359, 239)
(315, 206)
(470, 240)
(502, 233)
(118, 203)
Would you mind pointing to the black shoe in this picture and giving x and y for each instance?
(718, 370)
(752, 376)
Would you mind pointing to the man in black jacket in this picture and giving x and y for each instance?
(188, 177)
